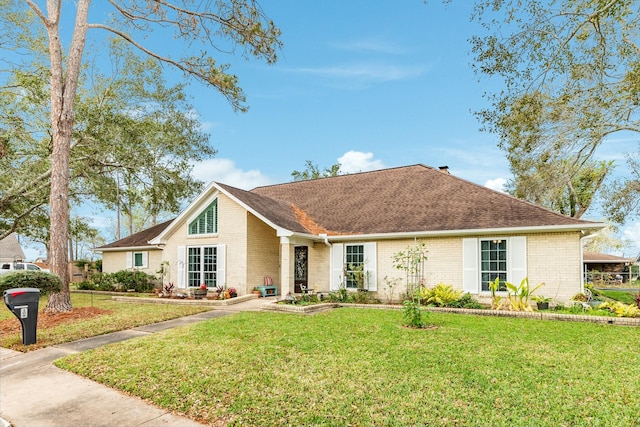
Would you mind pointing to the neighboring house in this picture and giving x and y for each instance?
(10, 249)
(603, 269)
(311, 233)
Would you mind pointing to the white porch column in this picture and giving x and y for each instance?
(286, 266)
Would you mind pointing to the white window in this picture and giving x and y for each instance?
(138, 259)
(201, 264)
(207, 221)
(485, 259)
(354, 265)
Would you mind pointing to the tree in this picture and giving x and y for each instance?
(558, 184)
(571, 74)
(156, 132)
(606, 241)
(312, 171)
(625, 193)
(221, 26)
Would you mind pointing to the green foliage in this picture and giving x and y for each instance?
(621, 309)
(312, 171)
(466, 301)
(441, 295)
(104, 282)
(87, 285)
(622, 296)
(138, 280)
(46, 282)
(341, 295)
(414, 315)
(569, 75)
(519, 295)
(370, 372)
(412, 261)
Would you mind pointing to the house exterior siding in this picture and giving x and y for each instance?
(263, 254)
(257, 231)
(232, 232)
(554, 259)
(116, 261)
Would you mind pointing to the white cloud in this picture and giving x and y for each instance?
(496, 184)
(357, 161)
(366, 73)
(226, 172)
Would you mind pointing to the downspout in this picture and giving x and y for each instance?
(583, 239)
(326, 239)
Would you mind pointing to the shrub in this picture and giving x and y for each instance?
(137, 280)
(621, 309)
(104, 282)
(414, 315)
(86, 285)
(441, 295)
(46, 282)
(466, 301)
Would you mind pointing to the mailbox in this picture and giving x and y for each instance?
(23, 302)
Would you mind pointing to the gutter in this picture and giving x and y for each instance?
(583, 239)
(325, 238)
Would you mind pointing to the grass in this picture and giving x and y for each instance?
(121, 316)
(622, 296)
(360, 367)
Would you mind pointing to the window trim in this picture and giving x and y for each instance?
(131, 258)
(471, 262)
(195, 219)
(183, 266)
(338, 262)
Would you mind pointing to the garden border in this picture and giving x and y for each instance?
(307, 309)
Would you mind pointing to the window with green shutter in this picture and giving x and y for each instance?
(207, 221)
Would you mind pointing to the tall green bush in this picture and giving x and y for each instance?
(44, 281)
(137, 280)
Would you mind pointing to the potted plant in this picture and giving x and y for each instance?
(201, 292)
(257, 291)
(233, 292)
(542, 302)
(166, 290)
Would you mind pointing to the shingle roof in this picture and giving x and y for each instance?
(139, 239)
(595, 257)
(407, 199)
(10, 249)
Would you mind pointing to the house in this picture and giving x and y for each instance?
(10, 249)
(315, 233)
(604, 269)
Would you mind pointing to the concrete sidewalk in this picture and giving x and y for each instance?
(33, 392)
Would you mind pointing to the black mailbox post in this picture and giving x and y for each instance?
(23, 302)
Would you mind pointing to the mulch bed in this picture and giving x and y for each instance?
(46, 320)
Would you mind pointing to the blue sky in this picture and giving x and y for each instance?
(368, 84)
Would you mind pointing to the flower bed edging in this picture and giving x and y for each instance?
(624, 321)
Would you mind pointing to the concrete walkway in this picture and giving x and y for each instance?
(33, 392)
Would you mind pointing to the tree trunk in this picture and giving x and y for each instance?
(63, 92)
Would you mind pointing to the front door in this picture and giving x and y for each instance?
(301, 267)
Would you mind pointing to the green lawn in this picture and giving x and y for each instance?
(360, 367)
(120, 316)
(622, 296)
